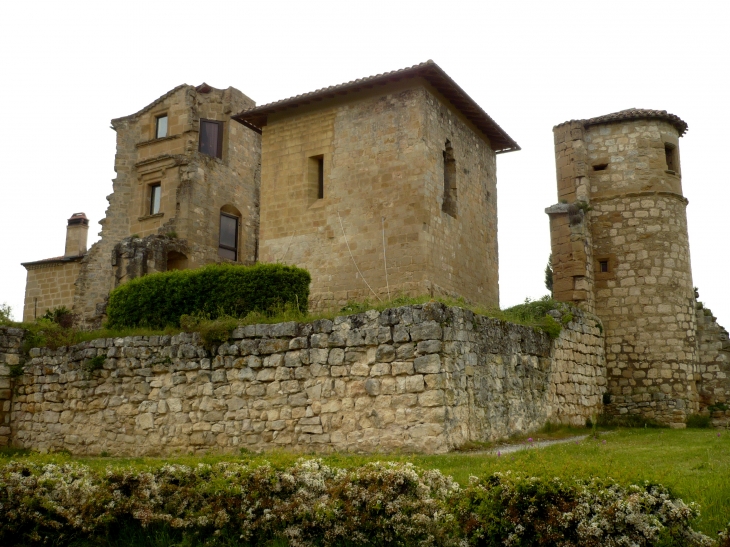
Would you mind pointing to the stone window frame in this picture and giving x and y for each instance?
(671, 156)
(159, 116)
(151, 187)
(229, 211)
(314, 180)
(611, 262)
(219, 141)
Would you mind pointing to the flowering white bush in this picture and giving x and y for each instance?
(313, 504)
(508, 510)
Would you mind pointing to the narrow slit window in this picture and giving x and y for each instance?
(228, 240)
(211, 138)
(320, 177)
(155, 195)
(600, 167)
(449, 203)
(603, 266)
(161, 127)
(315, 177)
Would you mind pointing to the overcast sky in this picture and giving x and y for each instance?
(68, 68)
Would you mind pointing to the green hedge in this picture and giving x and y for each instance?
(158, 300)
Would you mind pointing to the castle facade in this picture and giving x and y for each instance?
(385, 185)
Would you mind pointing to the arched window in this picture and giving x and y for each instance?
(176, 261)
(228, 235)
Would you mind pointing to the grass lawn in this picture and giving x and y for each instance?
(694, 464)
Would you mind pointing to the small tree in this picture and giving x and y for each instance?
(5, 312)
(549, 274)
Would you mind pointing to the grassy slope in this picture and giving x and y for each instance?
(694, 464)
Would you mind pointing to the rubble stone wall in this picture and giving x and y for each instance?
(713, 378)
(418, 378)
(11, 356)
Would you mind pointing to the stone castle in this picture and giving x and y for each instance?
(383, 185)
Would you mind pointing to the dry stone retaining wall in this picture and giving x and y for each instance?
(11, 356)
(713, 379)
(418, 378)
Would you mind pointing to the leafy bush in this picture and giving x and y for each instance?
(47, 333)
(506, 510)
(535, 313)
(628, 420)
(61, 316)
(699, 421)
(5, 312)
(159, 300)
(312, 504)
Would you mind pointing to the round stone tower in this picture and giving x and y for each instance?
(621, 177)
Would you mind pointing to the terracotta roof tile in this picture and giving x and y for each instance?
(58, 259)
(256, 118)
(636, 114)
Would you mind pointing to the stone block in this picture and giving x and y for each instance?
(428, 330)
(427, 364)
(414, 384)
(372, 387)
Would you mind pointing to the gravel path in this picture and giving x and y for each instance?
(509, 448)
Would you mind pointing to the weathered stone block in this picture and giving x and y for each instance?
(428, 364)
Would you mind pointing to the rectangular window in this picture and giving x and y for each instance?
(211, 138)
(603, 264)
(161, 127)
(155, 195)
(228, 241)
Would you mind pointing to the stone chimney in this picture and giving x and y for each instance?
(77, 233)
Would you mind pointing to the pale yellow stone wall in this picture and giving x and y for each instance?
(462, 249)
(383, 179)
(194, 186)
(48, 286)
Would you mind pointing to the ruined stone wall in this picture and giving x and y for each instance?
(578, 368)
(194, 187)
(419, 378)
(646, 298)
(49, 285)
(382, 153)
(713, 377)
(570, 237)
(11, 355)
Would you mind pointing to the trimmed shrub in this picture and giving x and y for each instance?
(158, 300)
